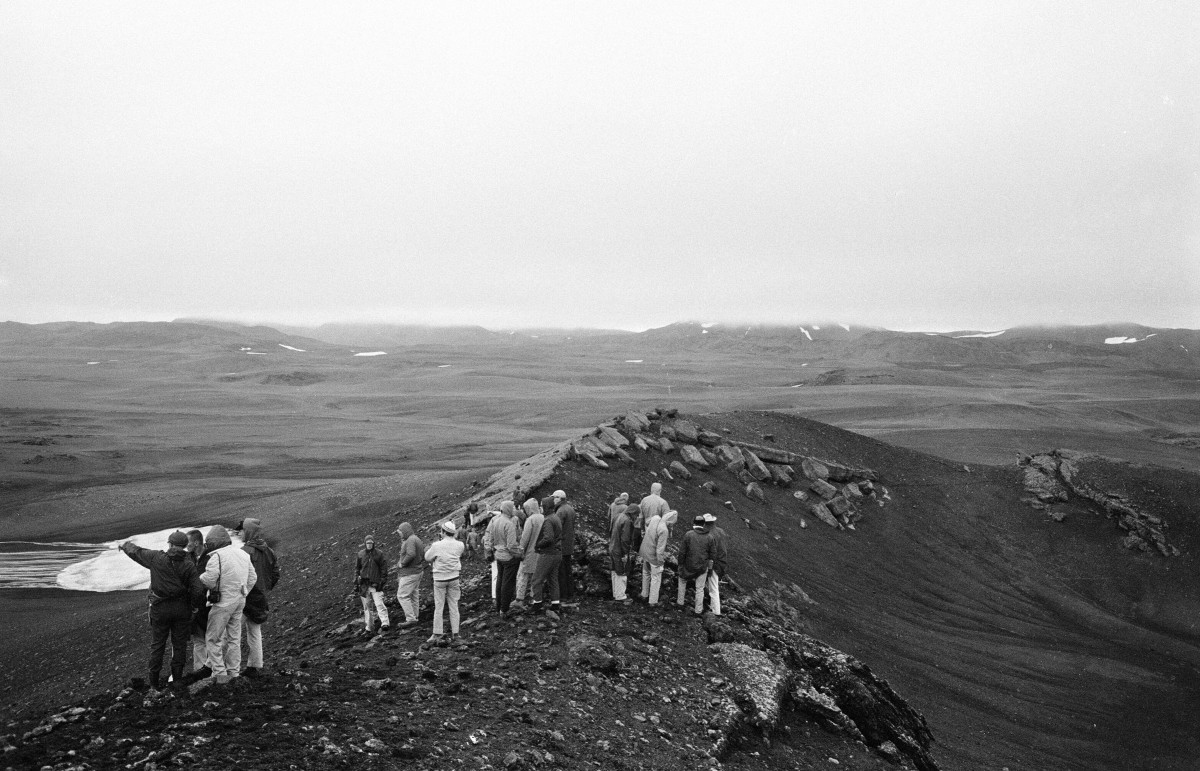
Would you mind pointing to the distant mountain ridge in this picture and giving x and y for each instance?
(1108, 345)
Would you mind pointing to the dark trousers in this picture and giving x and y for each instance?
(545, 578)
(179, 630)
(506, 583)
(566, 584)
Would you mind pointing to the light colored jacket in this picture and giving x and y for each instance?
(234, 572)
(445, 557)
(503, 532)
(529, 538)
(654, 542)
(653, 505)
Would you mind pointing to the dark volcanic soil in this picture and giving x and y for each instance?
(1001, 625)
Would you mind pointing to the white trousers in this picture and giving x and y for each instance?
(372, 606)
(651, 581)
(618, 585)
(254, 655)
(224, 638)
(713, 586)
(408, 593)
(698, 582)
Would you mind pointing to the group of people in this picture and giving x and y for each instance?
(204, 591)
(643, 530)
(530, 550)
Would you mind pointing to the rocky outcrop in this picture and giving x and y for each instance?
(1055, 477)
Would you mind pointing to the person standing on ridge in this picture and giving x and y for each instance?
(695, 561)
(174, 589)
(230, 574)
(507, 548)
(266, 566)
(620, 552)
(199, 627)
(370, 576)
(529, 536)
(409, 570)
(720, 547)
(654, 504)
(445, 557)
(653, 552)
(549, 554)
(566, 515)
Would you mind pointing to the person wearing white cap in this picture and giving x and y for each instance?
(712, 583)
(445, 557)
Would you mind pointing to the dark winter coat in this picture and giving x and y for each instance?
(720, 551)
(174, 583)
(371, 569)
(265, 565)
(566, 514)
(695, 553)
(620, 543)
(550, 538)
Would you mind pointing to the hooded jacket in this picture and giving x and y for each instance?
(620, 542)
(654, 542)
(550, 537)
(502, 531)
(174, 581)
(566, 514)
(371, 568)
(412, 552)
(230, 570)
(266, 566)
(530, 534)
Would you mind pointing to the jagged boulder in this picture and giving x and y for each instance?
(838, 505)
(852, 491)
(814, 469)
(709, 438)
(665, 445)
(687, 431)
(757, 468)
(822, 512)
(642, 442)
(779, 476)
(680, 470)
(761, 680)
(692, 455)
(730, 454)
(589, 652)
(667, 432)
(612, 436)
(709, 457)
(635, 422)
(823, 489)
(711, 487)
(755, 492)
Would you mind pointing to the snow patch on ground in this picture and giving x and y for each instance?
(709, 324)
(704, 331)
(634, 361)
(1121, 340)
(290, 348)
(372, 353)
(816, 328)
(255, 353)
(806, 334)
(982, 334)
(92, 362)
(112, 571)
(442, 366)
(845, 327)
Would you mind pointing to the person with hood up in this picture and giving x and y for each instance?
(549, 554)
(654, 505)
(409, 570)
(266, 567)
(620, 551)
(695, 560)
(654, 554)
(370, 576)
(502, 531)
(619, 504)
(720, 561)
(445, 558)
(174, 589)
(231, 574)
(529, 536)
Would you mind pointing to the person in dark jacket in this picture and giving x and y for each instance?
(174, 587)
(566, 513)
(620, 550)
(266, 566)
(549, 554)
(370, 576)
(720, 562)
(695, 561)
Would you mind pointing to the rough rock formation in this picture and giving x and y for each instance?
(1054, 477)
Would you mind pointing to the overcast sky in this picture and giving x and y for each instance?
(915, 165)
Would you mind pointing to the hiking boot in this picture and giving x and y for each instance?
(203, 673)
(253, 672)
(408, 622)
(435, 639)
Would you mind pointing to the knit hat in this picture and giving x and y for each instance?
(449, 528)
(558, 494)
(698, 521)
(623, 497)
(178, 538)
(369, 539)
